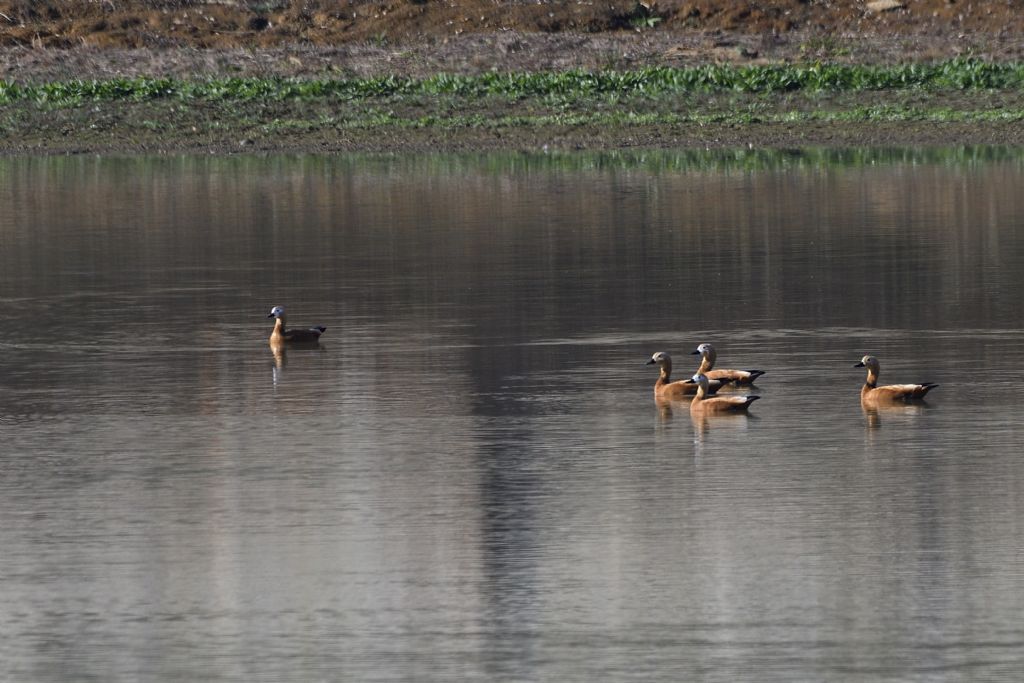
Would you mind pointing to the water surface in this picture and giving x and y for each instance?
(470, 479)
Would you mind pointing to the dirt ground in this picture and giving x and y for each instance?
(226, 24)
(61, 39)
(47, 40)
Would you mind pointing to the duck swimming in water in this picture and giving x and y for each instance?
(707, 363)
(280, 335)
(704, 404)
(666, 389)
(871, 393)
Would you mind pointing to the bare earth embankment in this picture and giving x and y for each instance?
(247, 53)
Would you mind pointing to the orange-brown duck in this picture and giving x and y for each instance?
(707, 363)
(281, 335)
(665, 388)
(871, 393)
(705, 404)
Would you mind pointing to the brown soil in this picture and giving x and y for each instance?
(234, 23)
(57, 39)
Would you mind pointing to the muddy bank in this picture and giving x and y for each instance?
(157, 128)
(44, 42)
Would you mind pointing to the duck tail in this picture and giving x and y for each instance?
(320, 328)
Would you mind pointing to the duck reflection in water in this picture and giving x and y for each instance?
(280, 353)
(703, 424)
(280, 359)
(873, 412)
(665, 407)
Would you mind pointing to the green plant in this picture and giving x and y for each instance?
(642, 16)
(558, 88)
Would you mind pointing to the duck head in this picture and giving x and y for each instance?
(703, 350)
(869, 362)
(699, 378)
(660, 358)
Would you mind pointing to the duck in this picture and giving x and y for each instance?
(889, 393)
(280, 335)
(664, 388)
(704, 404)
(707, 362)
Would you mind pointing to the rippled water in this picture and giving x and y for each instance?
(470, 479)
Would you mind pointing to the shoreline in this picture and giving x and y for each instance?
(953, 103)
(724, 138)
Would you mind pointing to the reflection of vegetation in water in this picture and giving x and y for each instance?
(517, 163)
(810, 158)
(655, 161)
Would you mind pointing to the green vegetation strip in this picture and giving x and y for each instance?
(958, 74)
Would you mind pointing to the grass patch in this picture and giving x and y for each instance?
(603, 109)
(958, 74)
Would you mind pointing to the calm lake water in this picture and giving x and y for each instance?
(470, 479)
